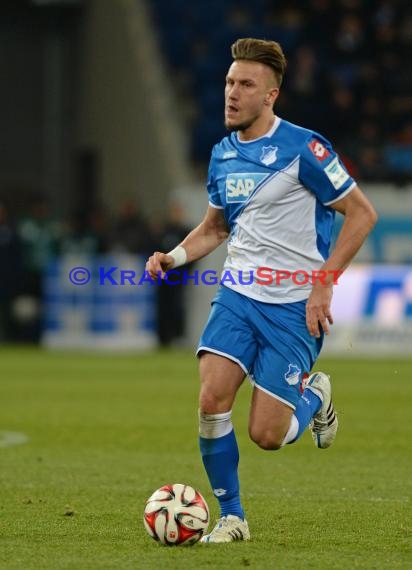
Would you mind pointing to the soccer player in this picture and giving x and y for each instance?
(273, 191)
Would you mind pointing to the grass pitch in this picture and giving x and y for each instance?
(105, 431)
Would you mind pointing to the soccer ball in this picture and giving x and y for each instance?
(176, 515)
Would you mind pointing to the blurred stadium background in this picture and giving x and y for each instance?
(109, 110)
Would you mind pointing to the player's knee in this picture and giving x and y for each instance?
(211, 403)
(214, 401)
(265, 439)
(208, 406)
(208, 401)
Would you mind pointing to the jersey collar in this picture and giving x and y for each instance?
(270, 132)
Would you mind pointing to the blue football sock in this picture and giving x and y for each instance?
(308, 405)
(221, 458)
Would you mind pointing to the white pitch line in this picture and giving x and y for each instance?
(9, 438)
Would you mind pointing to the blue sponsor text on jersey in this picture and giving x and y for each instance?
(240, 185)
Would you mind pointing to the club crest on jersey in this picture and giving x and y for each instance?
(292, 375)
(269, 155)
(240, 185)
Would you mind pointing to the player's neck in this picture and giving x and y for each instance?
(259, 128)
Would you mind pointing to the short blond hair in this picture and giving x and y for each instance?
(267, 52)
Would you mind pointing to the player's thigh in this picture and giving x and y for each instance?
(227, 349)
(286, 352)
(269, 419)
(220, 380)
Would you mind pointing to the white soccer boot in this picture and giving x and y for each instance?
(324, 424)
(228, 529)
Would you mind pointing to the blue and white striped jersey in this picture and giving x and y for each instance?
(276, 193)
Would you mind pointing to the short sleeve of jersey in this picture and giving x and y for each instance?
(212, 188)
(322, 172)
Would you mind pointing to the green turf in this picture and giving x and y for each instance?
(105, 431)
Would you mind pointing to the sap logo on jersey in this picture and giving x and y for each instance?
(240, 185)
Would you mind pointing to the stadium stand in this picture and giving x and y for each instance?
(346, 77)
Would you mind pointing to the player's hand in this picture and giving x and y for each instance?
(318, 313)
(159, 263)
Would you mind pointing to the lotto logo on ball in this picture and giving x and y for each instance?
(176, 515)
(319, 150)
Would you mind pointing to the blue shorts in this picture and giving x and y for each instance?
(270, 342)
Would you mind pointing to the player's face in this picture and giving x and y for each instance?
(250, 92)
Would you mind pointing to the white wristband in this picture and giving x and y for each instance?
(179, 255)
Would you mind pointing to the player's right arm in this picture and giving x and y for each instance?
(205, 238)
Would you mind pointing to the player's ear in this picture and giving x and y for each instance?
(271, 96)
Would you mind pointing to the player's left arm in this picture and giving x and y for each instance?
(360, 218)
